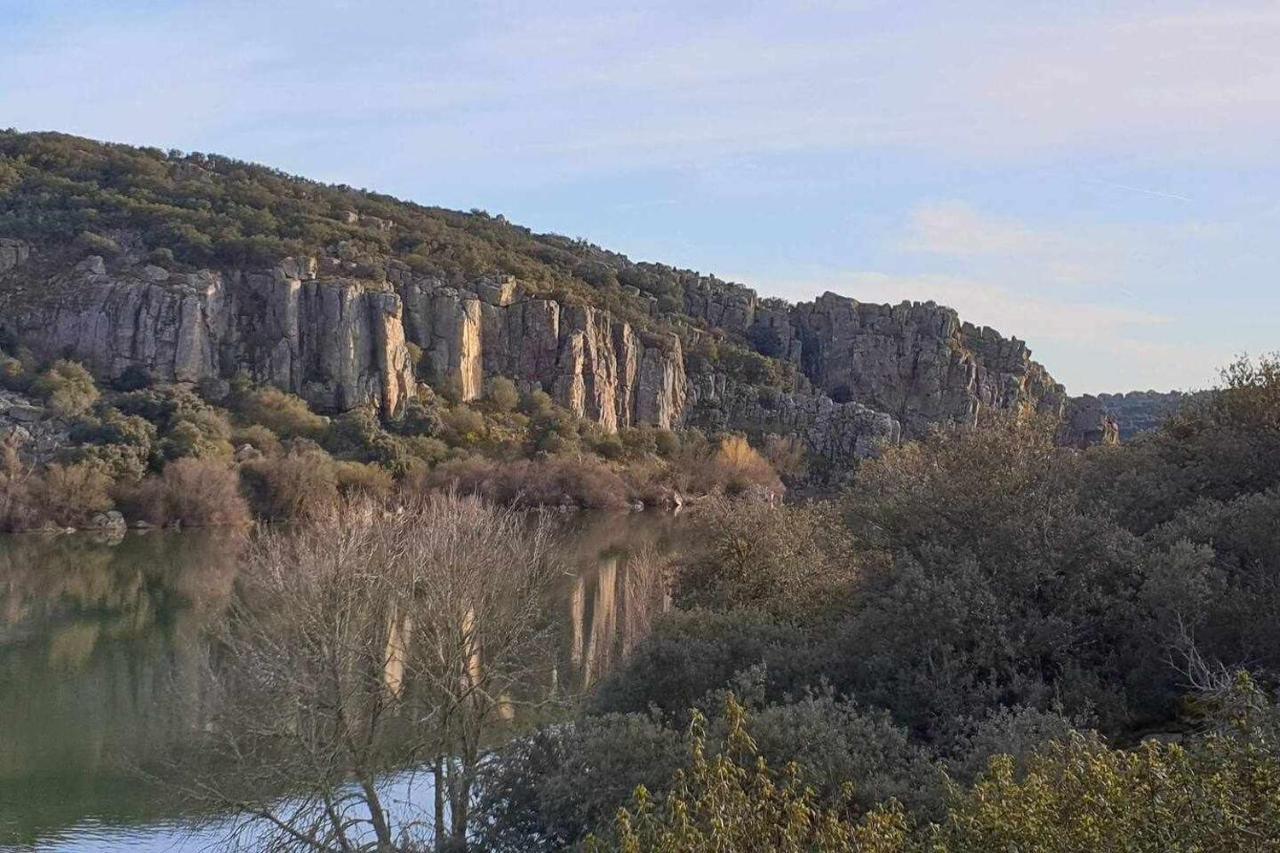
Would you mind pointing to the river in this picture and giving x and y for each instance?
(94, 636)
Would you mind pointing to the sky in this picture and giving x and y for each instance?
(1098, 179)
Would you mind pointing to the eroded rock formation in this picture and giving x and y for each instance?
(321, 328)
(337, 343)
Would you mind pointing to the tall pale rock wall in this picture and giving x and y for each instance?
(334, 342)
(587, 360)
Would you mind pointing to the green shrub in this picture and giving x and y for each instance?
(464, 424)
(258, 437)
(500, 393)
(286, 415)
(66, 388)
(536, 403)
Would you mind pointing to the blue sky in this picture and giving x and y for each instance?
(1099, 179)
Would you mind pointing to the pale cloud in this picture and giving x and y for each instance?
(955, 228)
(506, 85)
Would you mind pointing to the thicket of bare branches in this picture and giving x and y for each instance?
(370, 643)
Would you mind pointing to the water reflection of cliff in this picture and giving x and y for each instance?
(100, 653)
(103, 654)
(617, 588)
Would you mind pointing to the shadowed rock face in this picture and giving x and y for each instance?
(1086, 422)
(917, 362)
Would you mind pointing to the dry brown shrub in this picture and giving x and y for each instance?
(737, 468)
(16, 509)
(581, 481)
(69, 495)
(300, 485)
(195, 493)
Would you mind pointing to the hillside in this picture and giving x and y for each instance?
(191, 267)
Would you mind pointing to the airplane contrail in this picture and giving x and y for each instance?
(1156, 193)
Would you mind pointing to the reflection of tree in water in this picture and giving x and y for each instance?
(103, 654)
(94, 640)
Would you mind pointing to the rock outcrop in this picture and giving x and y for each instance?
(917, 362)
(1085, 423)
(1143, 411)
(837, 433)
(590, 362)
(337, 343)
(13, 253)
(340, 335)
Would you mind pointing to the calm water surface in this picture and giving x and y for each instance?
(95, 635)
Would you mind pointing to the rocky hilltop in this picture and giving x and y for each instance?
(1137, 412)
(378, 295)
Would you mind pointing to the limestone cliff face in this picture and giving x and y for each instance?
(837, 433)
(335, 342)
(1086, 423)
(917, 362)
(12, 254)
(590, 362)
(321, 328)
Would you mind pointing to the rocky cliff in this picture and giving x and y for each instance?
(324, 329)
(339, 342)
(1142, 411)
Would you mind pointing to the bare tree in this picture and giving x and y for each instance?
(368, 644)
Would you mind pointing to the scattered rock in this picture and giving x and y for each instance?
(247, 453)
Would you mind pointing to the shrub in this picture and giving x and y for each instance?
(732, 800)
(500, 392)
(200, 434)
(421, 417)
(358, 480)
(358, 435)
(666, 443)
(13, 375)
(737, 468)
(430, 450)
(786, 559)
(16, 509)
(298, 485)
(464, 424)
(195, 493)
(258, 437)
(554, 481)
(536, 403)
(286, 415)
(66, 388)
(608, 445)
(72, 494)
(133, 378)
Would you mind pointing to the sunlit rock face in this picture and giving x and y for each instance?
(593, 364)
(338, 343)
(329, 331)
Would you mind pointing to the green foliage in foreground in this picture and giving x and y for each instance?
(1220, 792)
